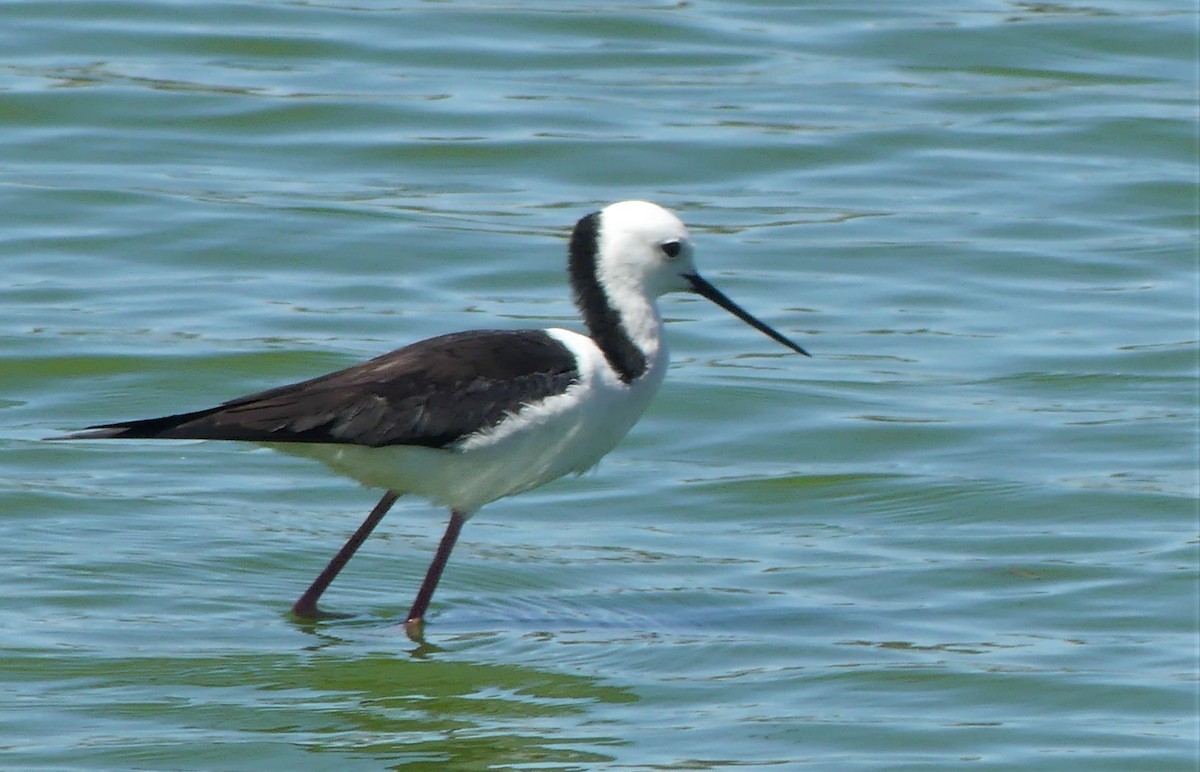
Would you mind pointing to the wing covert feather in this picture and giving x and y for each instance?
(430, 393)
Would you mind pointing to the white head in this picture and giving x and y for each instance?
(621, 259)
(643, 248)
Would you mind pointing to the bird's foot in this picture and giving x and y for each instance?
(310, 613)
(415, 629)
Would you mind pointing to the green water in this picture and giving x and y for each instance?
(963, 535)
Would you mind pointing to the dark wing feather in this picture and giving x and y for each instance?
(431, 393)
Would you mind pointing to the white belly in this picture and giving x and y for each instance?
(566, 433)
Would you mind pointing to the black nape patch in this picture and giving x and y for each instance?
(602, 320)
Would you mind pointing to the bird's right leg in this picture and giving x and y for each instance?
(306, 606)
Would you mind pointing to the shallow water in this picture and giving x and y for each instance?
(964, 534)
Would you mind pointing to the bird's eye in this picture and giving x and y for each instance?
(671, 248)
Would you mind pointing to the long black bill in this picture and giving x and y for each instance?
(702, 287)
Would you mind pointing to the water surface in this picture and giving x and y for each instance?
(963, 535)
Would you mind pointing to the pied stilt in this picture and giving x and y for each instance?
(470, 417)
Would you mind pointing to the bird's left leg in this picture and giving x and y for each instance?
(416, 615)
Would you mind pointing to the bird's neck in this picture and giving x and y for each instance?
(622, 321)
(628, 330)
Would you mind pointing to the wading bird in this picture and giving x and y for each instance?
(470, 417)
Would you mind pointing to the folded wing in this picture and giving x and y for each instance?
(432, 393)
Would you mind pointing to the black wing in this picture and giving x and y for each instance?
(431, 393)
